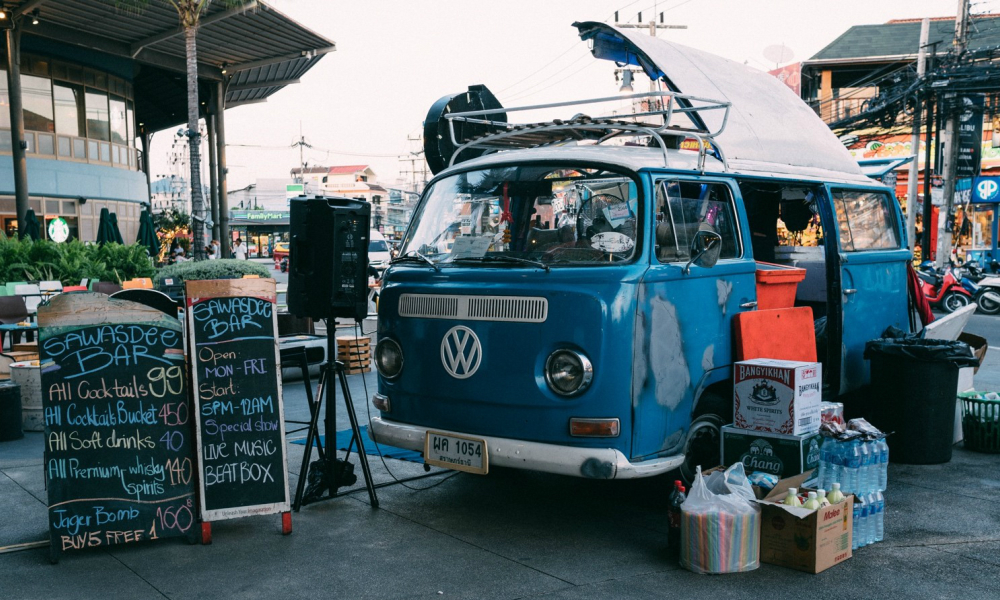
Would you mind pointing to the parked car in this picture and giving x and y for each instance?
(378, 251)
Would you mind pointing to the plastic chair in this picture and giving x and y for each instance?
(12, 310)
(11, 285)
(139, 283)
(105, 287)
(32, 296)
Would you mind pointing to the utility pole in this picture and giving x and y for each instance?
(952, 104)
(911, 193)
(653, 26)
(413, 158)
(302, 144)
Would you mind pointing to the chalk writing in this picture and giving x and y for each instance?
(239, 413)
(116, 412)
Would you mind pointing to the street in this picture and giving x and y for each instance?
(511, 534)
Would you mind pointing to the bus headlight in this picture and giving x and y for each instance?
(388, 358)
(568, 372)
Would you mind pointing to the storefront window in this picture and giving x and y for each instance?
(36, 94)
(4, 101)
(130, 122)
(70, 114)
(98, 120)
(119, 131)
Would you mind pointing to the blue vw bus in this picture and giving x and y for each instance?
(564, 295)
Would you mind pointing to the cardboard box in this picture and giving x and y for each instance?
(802, 539)
(777, 396)
(978, 344)
(775, 453)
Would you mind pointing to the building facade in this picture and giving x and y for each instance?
(85, 85)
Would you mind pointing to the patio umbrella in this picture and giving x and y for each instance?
(115, 230)
(32, 228)
(104, 233)
(147, 234)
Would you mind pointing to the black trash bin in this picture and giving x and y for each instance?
(10, 411)
(914, 389)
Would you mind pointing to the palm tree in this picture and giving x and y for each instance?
(189, 13)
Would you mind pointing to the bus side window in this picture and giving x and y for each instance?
(685, 207)
(866, 221)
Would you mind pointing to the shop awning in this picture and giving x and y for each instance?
(255, 49)
(877, 167)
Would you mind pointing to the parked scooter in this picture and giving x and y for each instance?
(945, 290)
(988, 294)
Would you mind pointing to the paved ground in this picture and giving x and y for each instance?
(509, 535)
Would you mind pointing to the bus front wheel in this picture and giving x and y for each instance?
(704, 441)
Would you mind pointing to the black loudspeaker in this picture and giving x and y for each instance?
(328, 257)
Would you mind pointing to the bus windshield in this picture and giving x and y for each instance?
(527, 215)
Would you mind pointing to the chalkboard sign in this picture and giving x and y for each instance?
(236, 376)
(119, 454)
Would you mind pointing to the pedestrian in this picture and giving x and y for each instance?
(213, 250)
(239, 250)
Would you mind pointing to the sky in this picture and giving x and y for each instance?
(395, 58)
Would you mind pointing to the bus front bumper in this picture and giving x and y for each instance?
(591, 463)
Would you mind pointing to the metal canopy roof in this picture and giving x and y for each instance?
(260, 49)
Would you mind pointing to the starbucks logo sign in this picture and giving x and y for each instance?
(58, 230)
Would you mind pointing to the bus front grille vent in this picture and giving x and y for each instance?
(514, 309)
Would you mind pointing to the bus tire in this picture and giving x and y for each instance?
(704, 442)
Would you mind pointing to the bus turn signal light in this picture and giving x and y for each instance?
(594, 427)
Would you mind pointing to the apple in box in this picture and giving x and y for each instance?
(777, 396)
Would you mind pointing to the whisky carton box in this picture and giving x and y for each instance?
(777, 396)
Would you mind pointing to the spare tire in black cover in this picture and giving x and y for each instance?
(438, 146)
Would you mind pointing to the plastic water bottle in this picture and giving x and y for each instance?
(865, 468)
(883, 463)
(852, 468)
(825, 464)
(861, 533)
(835, 471)
(879, 517)
(856, 521)
(872, 503)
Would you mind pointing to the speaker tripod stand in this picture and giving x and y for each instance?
(329, 472)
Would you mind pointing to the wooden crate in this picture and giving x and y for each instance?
(355, 353)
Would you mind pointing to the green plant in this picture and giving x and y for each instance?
(226, 268)
(43, 260)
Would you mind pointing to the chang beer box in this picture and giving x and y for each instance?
(777, 396)
(775, 453)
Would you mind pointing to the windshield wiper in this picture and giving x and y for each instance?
(506, 259)
(414, 256)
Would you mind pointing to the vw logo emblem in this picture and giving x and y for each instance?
(461, 352)
(987, 189)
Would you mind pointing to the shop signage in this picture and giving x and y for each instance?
(58, 230)
(986, 190)
(236, 377)
(119, 456)
(260, 215)
(970, 136)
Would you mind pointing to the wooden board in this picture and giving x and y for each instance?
(119, 456)
(233, 342)
(780, 333)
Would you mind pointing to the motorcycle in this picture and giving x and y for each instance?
(943, 291)
(988, 294)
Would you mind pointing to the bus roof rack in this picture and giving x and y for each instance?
(655, 121)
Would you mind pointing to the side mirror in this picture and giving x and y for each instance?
(705, 249)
